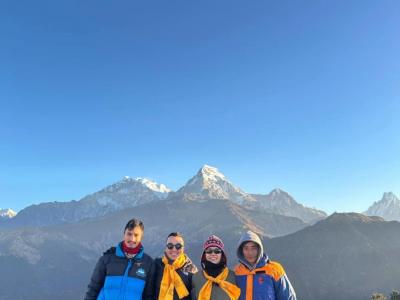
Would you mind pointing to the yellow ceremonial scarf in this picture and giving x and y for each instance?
(171, 279)
(232, 290)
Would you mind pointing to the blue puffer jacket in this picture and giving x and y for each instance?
(116, 277)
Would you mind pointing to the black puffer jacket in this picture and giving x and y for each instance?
(115, 275)
(186, 273)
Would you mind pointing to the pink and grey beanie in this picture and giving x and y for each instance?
(213, 241)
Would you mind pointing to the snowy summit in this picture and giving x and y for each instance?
(388, 207)
(7, 213)
(210, 183)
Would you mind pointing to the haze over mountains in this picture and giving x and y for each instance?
(325, 257)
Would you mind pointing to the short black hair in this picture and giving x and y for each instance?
(132, 223)
(175, 234)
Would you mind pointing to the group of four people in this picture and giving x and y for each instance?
(126, 272)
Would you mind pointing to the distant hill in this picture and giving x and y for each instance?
(346, 256)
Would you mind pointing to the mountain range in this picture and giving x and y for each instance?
(343, 256)
(128, 192)
(208, 183)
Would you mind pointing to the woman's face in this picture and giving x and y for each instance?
(174, 247)
(213, 255)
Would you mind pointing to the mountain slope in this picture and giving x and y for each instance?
(346, 256)
(281, 203)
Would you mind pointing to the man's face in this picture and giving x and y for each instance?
(133, 237)
(250, 252)
(174, 242)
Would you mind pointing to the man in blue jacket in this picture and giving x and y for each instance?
(258, 277)
(125, 271)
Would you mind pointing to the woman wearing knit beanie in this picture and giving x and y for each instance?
(216, 282)
(173, 272)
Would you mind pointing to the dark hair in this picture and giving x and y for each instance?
(175, 234)
(132, 223)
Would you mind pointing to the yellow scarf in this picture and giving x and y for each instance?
(171, 279)
(232, 290)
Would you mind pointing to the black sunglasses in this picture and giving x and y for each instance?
(216, 251)
(171, 246)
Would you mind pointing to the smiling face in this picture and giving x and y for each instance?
(213, 255)
(174, 242)
(132, 237)
(251, 252)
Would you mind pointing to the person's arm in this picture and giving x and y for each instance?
(148, 292)
(284, 289)
(193, 291)
(97, 280)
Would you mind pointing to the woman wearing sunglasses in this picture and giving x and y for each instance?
(173, 272)
(216, 282)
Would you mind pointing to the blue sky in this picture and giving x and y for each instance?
(301, 95)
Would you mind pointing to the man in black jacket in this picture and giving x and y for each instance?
(124, 271)
(173, 271)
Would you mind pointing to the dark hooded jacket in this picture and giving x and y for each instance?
(116, 277)
(268, 277)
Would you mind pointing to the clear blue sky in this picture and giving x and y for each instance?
(301, 95)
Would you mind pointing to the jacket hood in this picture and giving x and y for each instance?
(250, 236)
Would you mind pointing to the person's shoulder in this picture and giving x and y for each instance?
(231, 275)
(105, 258)
(109, 251)
(198, 275)
(158, 262)
(147, 258)
(240, 269)
(275, 269)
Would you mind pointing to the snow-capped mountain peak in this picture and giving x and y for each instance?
(389, 197)
(152, 185)
(211, 173)
(7, 213)
(210, 183)
(206, 176)
(276, 191)
(137, 183)
(388, 207)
